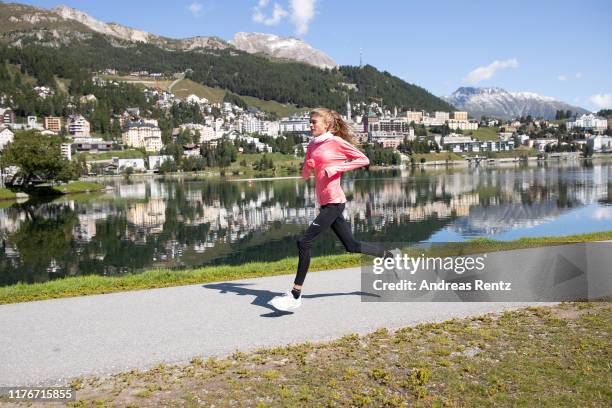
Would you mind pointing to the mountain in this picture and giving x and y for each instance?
(29, 35)
(500, 103)
(279, 47)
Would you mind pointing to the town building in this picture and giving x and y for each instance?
(142, 135)
(7, 116)
(459, 115)
(589, 122)
(53, 123)
(6, 136)
(155, 162)
(78, 126)
(295, 124)
(91, 144)
(462, 124)
(412, 116)
(600, 143)
(66, 150)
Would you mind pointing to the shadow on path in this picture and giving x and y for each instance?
(263, 297)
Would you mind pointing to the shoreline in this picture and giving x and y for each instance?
(58, 190)
(84, 285)
(486, 163)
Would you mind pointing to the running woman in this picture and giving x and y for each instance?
(327, 155)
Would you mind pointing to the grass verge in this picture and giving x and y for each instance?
(555, 356)
(121, 154)
(6, 194)
(158, 278)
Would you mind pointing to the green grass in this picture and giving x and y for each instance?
(79, 187)
(285, 164)
(156, 278)
(282, 110)
(122, 154)
(484, 133)
(186, 87)
(143, 82)
(553, 357)
(521, 151)
(429, 157)
(6, 194)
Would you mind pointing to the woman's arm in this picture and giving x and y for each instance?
(308, 165)
(358, 159)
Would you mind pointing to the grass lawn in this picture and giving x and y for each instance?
(78, 187)
(484, 133)
(122, 154)
(557, 356)
(186, 87)
(156, 278)
(521, 151)
(429, 157)
(144, 82)
(6, 194)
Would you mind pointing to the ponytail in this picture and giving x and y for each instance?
(337, 125)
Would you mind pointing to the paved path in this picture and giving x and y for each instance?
(49, 342)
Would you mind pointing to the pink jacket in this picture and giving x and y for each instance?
(328, 158)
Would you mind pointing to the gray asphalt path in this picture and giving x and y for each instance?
(49, 342)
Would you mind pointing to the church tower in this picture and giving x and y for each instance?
(349, 114)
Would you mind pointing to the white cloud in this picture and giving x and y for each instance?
(302, 11)
(278, 13)
(562, 78)
(486, 72)
(578, 75)
(602, 101)
(195, 8)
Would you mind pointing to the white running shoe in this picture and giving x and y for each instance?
(286, 302)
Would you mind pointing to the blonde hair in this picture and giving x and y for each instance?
(337, 125)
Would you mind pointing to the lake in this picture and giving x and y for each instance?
(185, 222)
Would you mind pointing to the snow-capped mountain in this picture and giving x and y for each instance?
(279, 47)
(500, 103)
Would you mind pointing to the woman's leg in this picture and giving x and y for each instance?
(321, 223)
(343, 230)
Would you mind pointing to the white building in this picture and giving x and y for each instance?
(78, 126)
(600, 143)
(6, 136)
(295, 124)
(443, 116)
(194, 99)
(250, 124)
(589, 122)
(432, 121)
(412, 116)
(462, 124)
(155, 162)
(66, 150)
(136, 164)
(269, 128)
(207, 133)
(142, 135)
(457, 143)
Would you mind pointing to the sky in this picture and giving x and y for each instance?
(561, 48)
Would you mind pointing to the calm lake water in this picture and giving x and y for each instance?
(183, 223)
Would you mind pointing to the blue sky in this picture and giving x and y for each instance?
(559, 48)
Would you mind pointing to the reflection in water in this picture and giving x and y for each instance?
(188, 223)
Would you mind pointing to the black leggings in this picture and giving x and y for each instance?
(330, 216)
